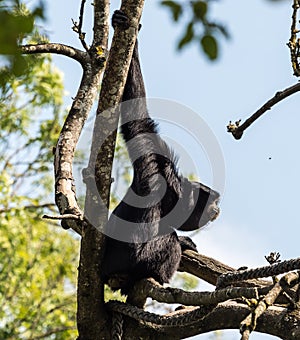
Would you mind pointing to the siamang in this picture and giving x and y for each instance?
(142, 241)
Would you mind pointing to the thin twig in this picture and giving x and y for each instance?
(294, 43)
(237, 130)
(82, 34)
(77, 27)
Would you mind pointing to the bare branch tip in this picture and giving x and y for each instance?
(234, 129)
(63, 217)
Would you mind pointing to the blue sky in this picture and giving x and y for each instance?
(260, 202)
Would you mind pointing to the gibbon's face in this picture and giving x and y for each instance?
(202, 205)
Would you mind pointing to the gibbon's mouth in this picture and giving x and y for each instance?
(213, 210)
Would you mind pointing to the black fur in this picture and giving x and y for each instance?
(158, 200)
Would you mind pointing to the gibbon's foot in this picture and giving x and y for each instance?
(120, 19)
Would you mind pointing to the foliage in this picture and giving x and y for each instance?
(19, 23)
(185, 281)
(37, 260)
(31, 107)
(199, 29)
(37, 278)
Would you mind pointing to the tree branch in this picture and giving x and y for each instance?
(101, 24)
(62, 49)
(151, 288)
(202, 266)
(276, 321)
(65, 194)
(237, 130)
(209, 269)
(92, 318)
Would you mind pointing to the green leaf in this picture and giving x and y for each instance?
(188, 36)
(200, 9)
(19, 65)
(210, 46)
(24, 24)
(175, 8)
(17, 23)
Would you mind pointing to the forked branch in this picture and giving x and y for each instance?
(92, 64)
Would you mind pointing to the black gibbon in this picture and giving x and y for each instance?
(142, 241)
